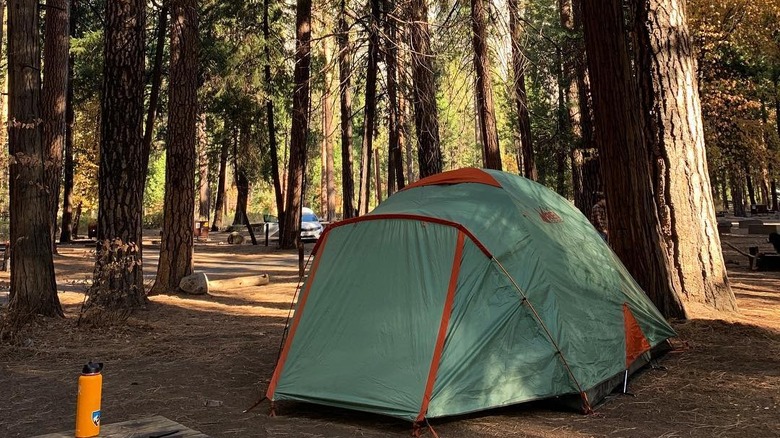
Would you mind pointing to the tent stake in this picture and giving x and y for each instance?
(625, 383)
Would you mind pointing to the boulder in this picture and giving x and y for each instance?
(235, 238)
(195, 284)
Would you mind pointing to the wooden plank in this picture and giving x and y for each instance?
(150, 427)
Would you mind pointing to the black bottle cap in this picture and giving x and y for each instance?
(92, 368)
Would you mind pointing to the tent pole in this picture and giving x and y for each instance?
(588, 408)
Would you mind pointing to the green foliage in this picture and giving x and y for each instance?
(154, 193)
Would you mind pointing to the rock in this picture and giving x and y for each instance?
(195, 284)
(212, 403)
(235, 238)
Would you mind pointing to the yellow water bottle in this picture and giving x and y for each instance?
(88, 403)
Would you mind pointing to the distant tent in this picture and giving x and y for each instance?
(468, 290)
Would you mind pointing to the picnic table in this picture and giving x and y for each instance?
(156, 426)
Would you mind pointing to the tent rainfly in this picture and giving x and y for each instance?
(468, 290)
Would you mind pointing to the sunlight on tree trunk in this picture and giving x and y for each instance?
(674, 131)
(634, 228)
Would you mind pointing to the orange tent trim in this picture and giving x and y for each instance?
(445, 322)
(468, 175)
(291, 334)
(636, 342)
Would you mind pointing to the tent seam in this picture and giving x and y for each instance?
(547, 331)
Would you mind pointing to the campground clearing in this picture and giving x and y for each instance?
(201, 361)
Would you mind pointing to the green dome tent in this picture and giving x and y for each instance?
(466, 291)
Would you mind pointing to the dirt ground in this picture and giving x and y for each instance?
(201, 361)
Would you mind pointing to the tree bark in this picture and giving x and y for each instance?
(291, 237)
(269, 109)
(521, 97)
(154, 95)
(328, 189)
(241, 179)
(677, 155)
(737, 194)
(426, 114)
(33, 287)
(66, 235)
(176, 243)
(4, 161)
(369, 119)
(377, 177)
(751, 189)
(345, 100)
(634, 228)
(395, 170)
(219, 202)
(54, 99)
(485, 107)
(204, 188)
(121, 170)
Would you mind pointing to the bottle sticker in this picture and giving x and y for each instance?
(96, 418)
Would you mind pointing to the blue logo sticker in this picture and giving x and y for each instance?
(96, 418)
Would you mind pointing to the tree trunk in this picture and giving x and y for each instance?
(737, 194)
(773, 185)
(378, 177)
(76, 221)
(4, 159)
(724, 190)
(577, 112)
(204, 188)
(176, 242)
(269, 109)
(66, 235)
(54, 99)
(345, 100)
(369, 120)
(634, 227)
(485, 107)
(290, 237)
(154, 95)
(395, 170)
(328, 183)
(219, 202)
(33, 287)
(241, 180)
(675, 135)
(426, 114)
(521, 98)
(121, 170)
(751, 189)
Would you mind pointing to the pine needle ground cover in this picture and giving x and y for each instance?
(201, 361)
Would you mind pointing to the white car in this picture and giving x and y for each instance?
(311, 228)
